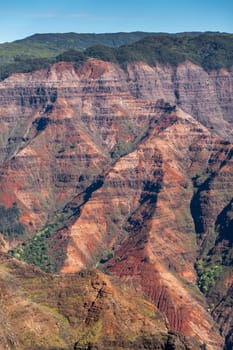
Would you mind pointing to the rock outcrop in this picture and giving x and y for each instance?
(205, 96)
(79, 311)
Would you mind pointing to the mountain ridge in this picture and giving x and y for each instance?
(211, 51)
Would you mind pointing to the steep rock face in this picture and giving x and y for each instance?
(145, 197)
(224, 315)
(78, 127)
(122, 174)
(60, 118)
(206, 96)
(199, 154)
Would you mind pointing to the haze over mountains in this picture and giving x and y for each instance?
(117, 158)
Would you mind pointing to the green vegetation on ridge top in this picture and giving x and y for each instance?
(51, 45)
(209, 50)
(83, 40)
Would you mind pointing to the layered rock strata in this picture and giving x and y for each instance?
(140, 183)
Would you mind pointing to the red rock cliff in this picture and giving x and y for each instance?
(110, 147)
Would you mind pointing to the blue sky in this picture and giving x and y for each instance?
(21, 18)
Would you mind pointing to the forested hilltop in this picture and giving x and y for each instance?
(209, 50)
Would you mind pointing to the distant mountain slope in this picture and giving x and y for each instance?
(50, 45)
(40, 50)
(209, 50)
(84, 40)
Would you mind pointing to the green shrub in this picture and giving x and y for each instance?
(207, 275)
(122, 148)
(35, 251)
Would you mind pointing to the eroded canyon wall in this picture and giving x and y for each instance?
(130, 168)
